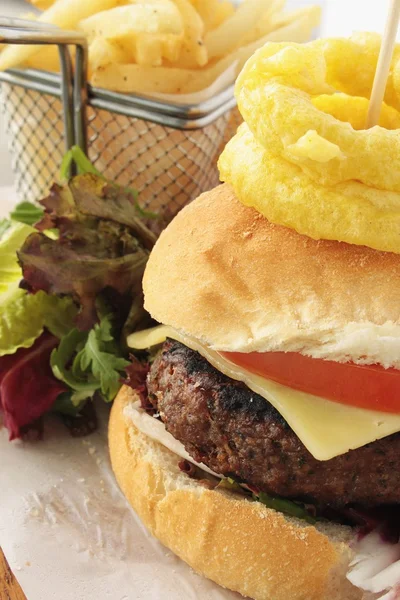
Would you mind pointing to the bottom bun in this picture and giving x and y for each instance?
(238, 543)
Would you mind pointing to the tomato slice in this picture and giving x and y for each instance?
(366, 386)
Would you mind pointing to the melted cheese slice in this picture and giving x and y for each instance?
(326, 428)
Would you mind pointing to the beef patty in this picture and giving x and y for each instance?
(237, 433)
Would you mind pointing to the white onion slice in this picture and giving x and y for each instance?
(155, 429)
(376, 566)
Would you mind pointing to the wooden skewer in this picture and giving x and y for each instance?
(383, 67)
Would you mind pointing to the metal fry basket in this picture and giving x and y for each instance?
(168, 152)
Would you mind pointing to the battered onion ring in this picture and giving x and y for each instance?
(281, 192)
(303, 159)
(355, 109)
(274, 93)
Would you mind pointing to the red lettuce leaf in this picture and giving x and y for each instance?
(88, 196)
(96, 198)
(56, 268)
(102, 247)
(28, 387)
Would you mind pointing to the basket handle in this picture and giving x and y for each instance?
(73, 81)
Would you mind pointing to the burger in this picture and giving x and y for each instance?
(263, 445)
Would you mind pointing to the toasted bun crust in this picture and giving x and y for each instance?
(239, 544)
(224, 274)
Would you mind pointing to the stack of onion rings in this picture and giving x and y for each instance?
(302, 157)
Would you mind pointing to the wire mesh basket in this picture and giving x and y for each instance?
(167, 152)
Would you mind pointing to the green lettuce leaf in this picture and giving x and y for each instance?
(19, 325)
(26, 212)
(283, 505)
(287, 507)
(83, 385)
(5, 225)
(10, 271)
(232, 485)
(89, 361)
(12, 299)
(24, 316)
(59, 314)
(77, 156)
(65, 406)
(98, 357)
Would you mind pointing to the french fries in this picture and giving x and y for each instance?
(147, 80)
(45, 59)
(223, 40)
(165, 46)
(213, 13)
(148, 33)
(63, 13)
(265, 24)
(104, 53)
(172, 80)
(193, 54)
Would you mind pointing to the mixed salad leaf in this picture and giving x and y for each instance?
(70, 284)
(26, 212)
(28, 388)
(97, 250)
(285, 506)
(90, 361)
(23, 316)
(290, 508)
(5, 225)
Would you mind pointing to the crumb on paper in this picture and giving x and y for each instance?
(92, 450)
(81, 480)
(28, 563)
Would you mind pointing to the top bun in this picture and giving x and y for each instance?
(225, 275)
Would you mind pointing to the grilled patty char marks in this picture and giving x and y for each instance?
(237, 433)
